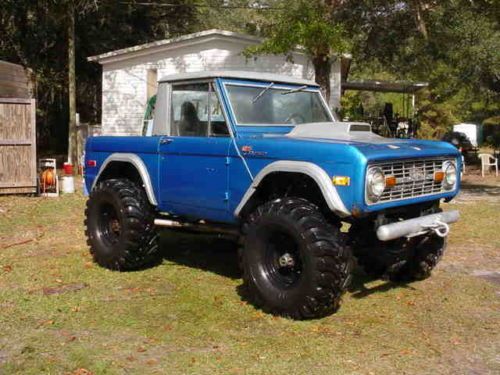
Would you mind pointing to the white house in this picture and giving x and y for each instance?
(130, 75)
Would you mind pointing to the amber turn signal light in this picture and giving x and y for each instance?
(438, 176)
(341, 180)
(390, 181)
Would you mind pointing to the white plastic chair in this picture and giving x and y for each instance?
(488, 161)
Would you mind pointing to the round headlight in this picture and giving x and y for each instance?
(450, 175)
(375, 183)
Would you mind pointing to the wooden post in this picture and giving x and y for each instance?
(72, 146)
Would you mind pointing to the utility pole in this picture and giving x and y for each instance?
(72, 146)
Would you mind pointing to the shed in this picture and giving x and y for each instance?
(130, 75)
(17, 131)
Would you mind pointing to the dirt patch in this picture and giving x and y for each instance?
(491, 276)
(64, 289)
(474, 187)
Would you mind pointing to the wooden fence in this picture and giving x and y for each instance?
(18, 170)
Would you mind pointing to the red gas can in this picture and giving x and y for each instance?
(68, 168)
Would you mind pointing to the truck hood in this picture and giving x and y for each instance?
(372, 146)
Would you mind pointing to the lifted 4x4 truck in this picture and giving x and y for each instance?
(261, 156)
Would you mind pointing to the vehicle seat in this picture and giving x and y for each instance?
(189, 124)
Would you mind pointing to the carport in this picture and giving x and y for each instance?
(406, 88)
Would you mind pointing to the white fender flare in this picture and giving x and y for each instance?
(318, 174)
(137, 162)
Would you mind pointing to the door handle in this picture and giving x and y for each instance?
(165, 140)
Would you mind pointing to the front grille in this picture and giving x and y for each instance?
(414, 178)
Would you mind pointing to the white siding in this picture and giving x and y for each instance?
(123, 100)
(124, 83)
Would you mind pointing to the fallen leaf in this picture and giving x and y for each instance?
(82, 371)
(259, 315)
(46, 323)
(7, 268)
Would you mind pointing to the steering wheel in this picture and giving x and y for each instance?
(296, 118)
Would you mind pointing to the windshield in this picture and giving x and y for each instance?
(269, 105)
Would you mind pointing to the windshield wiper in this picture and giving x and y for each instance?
(291, 91)
(259, 95)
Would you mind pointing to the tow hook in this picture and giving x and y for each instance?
(440, 228)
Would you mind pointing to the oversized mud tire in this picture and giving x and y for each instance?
(426, 253)
(295, 263)
(401, 260)
(119, 225)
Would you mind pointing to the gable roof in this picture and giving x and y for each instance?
(165, 44)
(238, 74)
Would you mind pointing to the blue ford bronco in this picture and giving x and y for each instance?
(260, 156)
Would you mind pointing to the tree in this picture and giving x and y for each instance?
(72, 131)
(245, 16)
(452, 44)
(34, 34)
(310, 26)
(82, 6)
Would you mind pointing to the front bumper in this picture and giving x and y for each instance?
(417, 226)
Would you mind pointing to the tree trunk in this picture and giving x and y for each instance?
(72, 141)
(322, 67)
(418, 10)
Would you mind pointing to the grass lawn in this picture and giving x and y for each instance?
(60, 313)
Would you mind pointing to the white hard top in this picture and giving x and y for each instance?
(238, 74)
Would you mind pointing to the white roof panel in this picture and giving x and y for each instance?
(238, 74)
